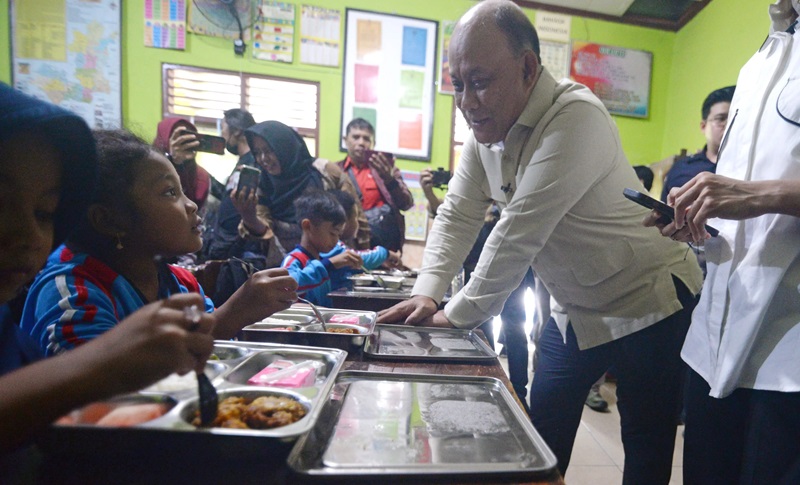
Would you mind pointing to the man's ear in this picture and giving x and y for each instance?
(305, 224)
(104, 221)
(703, 125)
(530, 66)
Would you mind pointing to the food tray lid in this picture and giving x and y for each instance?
(380, 425)
(426, 343)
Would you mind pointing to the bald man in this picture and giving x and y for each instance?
(548, 152)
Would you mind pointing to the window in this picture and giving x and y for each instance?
(202, 95)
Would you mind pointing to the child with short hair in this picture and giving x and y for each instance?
(322, 220)
(114, 262)
(372, 258)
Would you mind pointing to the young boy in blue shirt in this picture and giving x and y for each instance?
(322, 220)
(372, 258)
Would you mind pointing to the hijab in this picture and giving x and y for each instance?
(298, 174)
(194, 179)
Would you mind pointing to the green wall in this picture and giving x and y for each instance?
(704, 55)
(708, 54)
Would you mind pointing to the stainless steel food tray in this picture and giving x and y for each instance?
(425, 343)
(304, 328)
(379, 426)
(236, 363)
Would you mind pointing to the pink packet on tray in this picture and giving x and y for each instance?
(344, 318)
(275, 366)
(303, 374)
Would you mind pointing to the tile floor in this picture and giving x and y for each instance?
(597, 457)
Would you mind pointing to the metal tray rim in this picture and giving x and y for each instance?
(548, 468)
(369, 346)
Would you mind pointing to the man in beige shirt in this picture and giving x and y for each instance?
(548, 152)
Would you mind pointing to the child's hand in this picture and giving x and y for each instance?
(393, 260)
(269, 291)
(347, 259)
(182, 145)
(157, 340)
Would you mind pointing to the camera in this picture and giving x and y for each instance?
(441, 177)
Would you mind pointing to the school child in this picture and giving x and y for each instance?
(113, 263)
(373, 258)
(47, 171)
(322, 221)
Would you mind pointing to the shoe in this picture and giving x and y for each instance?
(595, 401)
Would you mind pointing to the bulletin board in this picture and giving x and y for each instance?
(619, 77)
(68, 52)
(389, 80)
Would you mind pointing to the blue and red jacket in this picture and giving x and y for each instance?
(77, 297)
(311, 274)
(317, 277)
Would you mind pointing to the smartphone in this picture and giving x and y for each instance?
(441, 177)
(368, 154)
(248, 179)
(667, 212)
(210, 143)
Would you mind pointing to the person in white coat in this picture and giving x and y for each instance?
(743, 347)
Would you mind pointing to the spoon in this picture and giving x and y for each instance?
(377, 278)
(316, 312)
(209, 401)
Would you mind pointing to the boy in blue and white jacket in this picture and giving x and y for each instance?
(322, 220)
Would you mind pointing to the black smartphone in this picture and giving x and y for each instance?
(248, 179)
(666, 211)
(368, 154)
(210, 144)
(441, 177)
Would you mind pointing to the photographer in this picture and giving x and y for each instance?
(379, 184)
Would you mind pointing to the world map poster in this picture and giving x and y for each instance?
(67, 52)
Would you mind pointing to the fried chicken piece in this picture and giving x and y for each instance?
(271, 412)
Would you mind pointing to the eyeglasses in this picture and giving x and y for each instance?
(719, 119)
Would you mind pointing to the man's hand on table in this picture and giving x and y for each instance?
(418, 310)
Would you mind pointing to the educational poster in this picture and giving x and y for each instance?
(555, 57)
(619, 77)
(320, 36)
(445, 83)
(389, 78)
(417, 215)
(68, 52)
(273, 33)
(165, 24)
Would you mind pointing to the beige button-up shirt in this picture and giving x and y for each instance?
(559, 177)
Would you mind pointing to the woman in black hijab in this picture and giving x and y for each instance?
(287, 171)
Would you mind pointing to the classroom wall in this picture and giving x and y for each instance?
(706, 54)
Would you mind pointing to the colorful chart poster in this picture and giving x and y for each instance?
(417, 215)
(415, 42)
(320, 36)
(619, 77)
(273, 34)
(445, 82)
(389, 79)
(368, 41)
(410, 132)
(165, 24)
(67, 52)
(412, 84)
(366, 83)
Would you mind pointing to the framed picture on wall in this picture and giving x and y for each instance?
(620, 77)
(389, 80)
